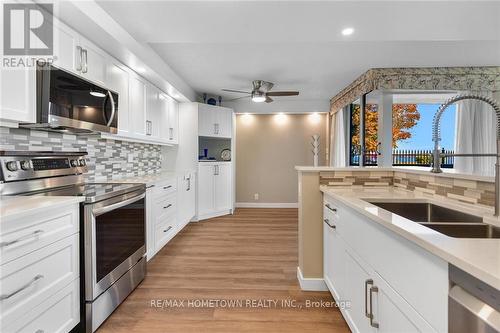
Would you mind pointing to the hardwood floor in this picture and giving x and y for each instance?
(251, 255)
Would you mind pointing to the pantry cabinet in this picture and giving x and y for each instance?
(391, 284)
(214, 189)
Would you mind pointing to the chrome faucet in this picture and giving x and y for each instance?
(436, 138)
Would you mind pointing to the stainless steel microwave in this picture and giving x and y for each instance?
(68, 103)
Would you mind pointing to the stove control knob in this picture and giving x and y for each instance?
(74, 163)
(11, 165)
(25, 165)
(81, 162)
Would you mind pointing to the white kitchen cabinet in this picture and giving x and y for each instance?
(118, 81)
(93, 62)
(214, 189)
(17, 95)
(186, 198)
(153, 111)
(223, 184)
(66, 51)
(215, 121)
(137, 105)
(374, 268)
(169, 119)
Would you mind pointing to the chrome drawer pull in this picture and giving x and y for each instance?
(167, 187)
(26, 286)
(367, 282)
(32, 235)
(373, 323)
(168, 229)
(167, 206)
(327, 221)
(330, 208)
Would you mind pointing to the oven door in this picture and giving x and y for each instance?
(114, 240)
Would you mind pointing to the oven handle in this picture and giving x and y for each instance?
(106, 209)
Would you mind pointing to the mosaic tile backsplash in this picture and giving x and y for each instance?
(464, 190)
(106, 159)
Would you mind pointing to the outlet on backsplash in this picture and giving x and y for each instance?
(256, 196)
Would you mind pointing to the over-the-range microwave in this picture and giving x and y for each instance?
(66, 102)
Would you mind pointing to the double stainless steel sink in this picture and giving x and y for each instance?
(447, 221)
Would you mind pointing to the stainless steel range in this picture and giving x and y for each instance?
(112, 230)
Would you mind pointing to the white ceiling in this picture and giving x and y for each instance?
(298, 44)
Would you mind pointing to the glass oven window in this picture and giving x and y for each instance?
(119, 234)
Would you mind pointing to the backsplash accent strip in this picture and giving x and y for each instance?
(107, 159)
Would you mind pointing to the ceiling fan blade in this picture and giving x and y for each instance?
(268, 99)
(283, 93)
(236, 91)
(234, 99)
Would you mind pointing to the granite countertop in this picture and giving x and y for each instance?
(478, 257)
(16, 206)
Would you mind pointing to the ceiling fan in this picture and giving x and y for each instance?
(261, 92)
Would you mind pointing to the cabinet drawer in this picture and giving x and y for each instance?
(21, 236)
(58, 314)
(28, 281)
(166, 205)
(165, 187)
(164, 231)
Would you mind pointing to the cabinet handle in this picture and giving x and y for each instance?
(26, 286)
(167, 187)
(150, 186)
(367, 282)
(373, 323)
(80, 53)
(167, 206)
(168, 229)
(327, 221)
(189, 184)
(171, 133)
(26, 237)
(85, 67)
(330, 208)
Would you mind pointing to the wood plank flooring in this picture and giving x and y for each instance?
(251, 255)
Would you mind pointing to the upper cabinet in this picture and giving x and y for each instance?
(169, 119)
(118, 81)
(137, 106)
(215, 121)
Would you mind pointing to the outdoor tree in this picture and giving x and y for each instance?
(404, 117)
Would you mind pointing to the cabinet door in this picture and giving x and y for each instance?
(117, 80)
(17, 95)
(392, 313)
(206, 191)
(186, 198)
(94, 62)
(357, 286)
(173, 121)
(66, 51)
(206, 120)
(150, 224)
(223, 187)
(153, 111)
(334, 264)
(224, 123)
(137, 105)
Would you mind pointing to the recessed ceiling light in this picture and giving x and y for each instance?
(347, 31)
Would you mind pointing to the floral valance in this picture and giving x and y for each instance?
(432, 78)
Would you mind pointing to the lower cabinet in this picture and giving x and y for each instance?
(386, 283)
(214, 189)
(39, 271)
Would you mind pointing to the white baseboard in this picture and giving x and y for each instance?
(310, 284)
(267, 204)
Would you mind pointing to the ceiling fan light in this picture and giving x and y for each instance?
(258, 97)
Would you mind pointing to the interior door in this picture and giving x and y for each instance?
(223, 187)
(206, 191)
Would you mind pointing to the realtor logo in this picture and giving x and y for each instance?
(28, 29)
